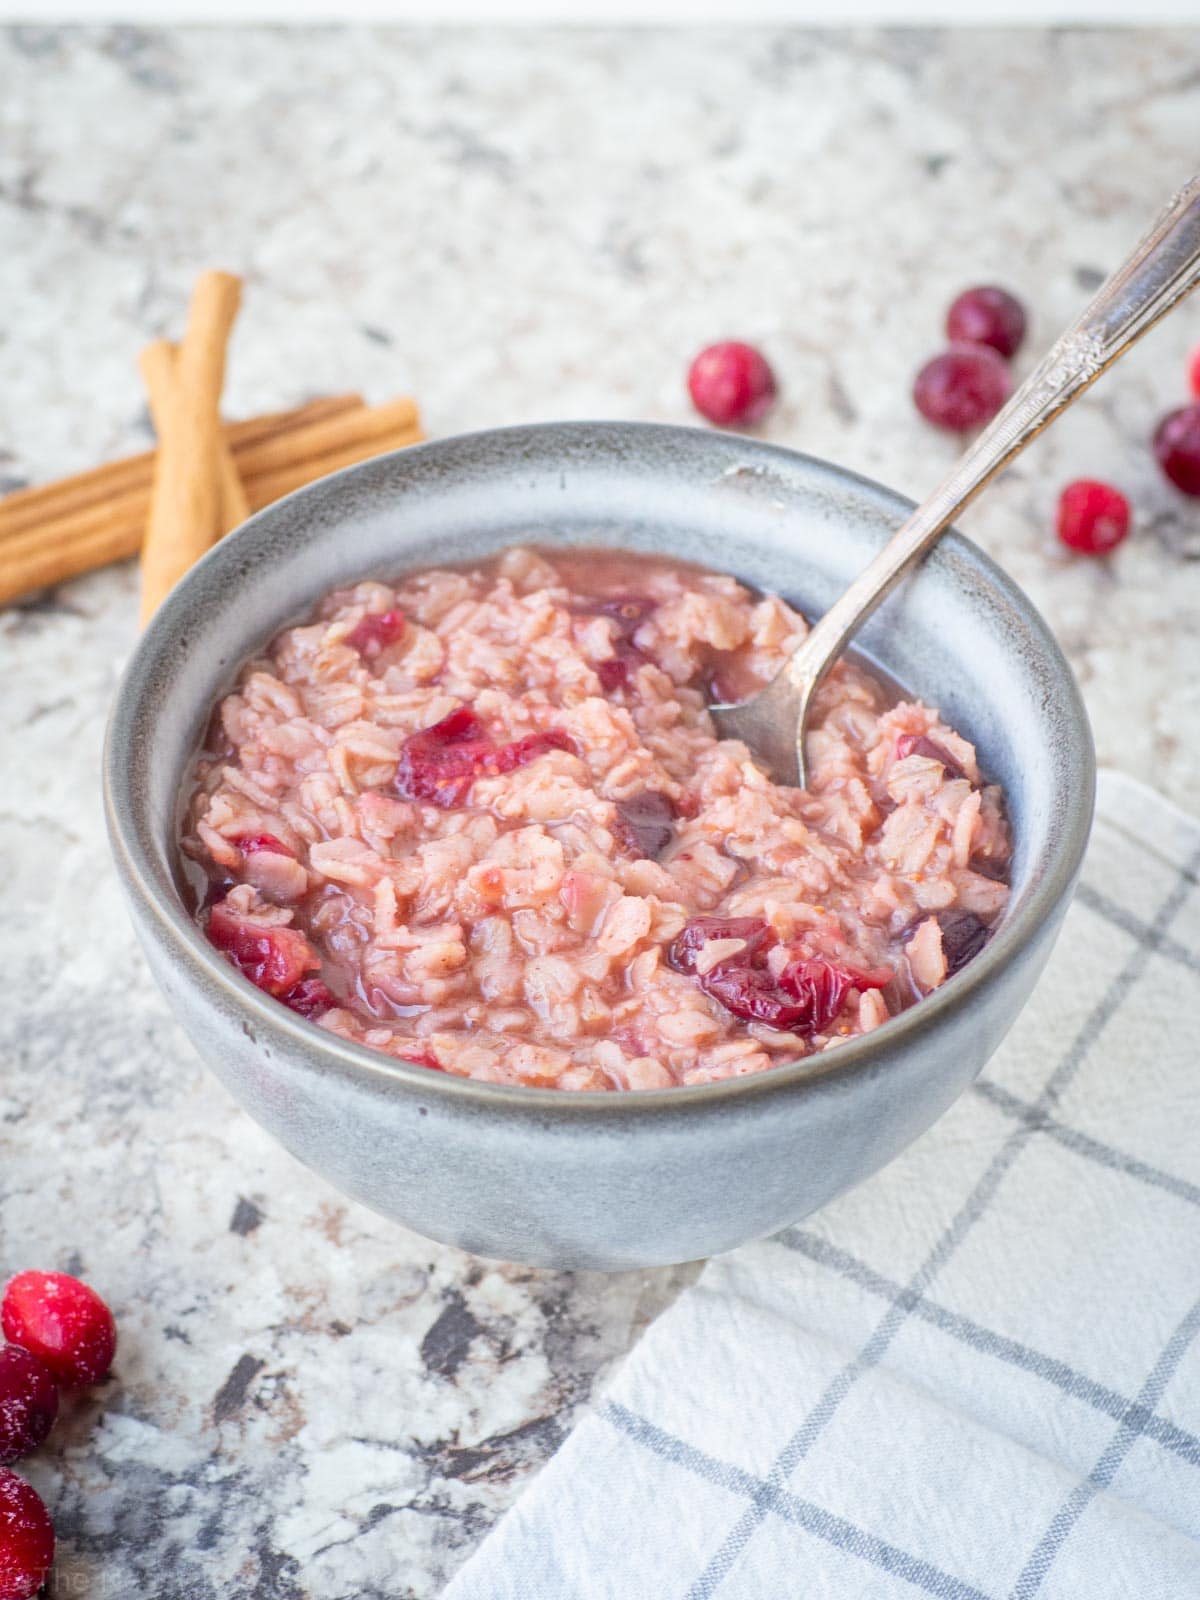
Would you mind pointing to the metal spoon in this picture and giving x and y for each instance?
(1164, 267)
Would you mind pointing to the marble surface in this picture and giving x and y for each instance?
(309, 1402)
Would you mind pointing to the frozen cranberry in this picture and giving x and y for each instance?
(987, 315)
(646, 823)
(821, 988)
(28, 1402)
(962, 388)
(309, 998)
(26, 1538)
(1092, 517)
(376, 631)
(963, 936)
(440, 763)
(274, 958)
(731, 384)
(63, 1322)
(251, 843)
(1177, 447)
(918, 744)
(688, 944)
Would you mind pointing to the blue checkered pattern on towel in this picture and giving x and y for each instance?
(977, 1376)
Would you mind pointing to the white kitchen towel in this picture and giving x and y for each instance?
(976, 1376)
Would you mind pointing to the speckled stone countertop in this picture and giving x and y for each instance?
(308, 1401)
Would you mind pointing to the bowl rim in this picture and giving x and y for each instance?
(326, 1052)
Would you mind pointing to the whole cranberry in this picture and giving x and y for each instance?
(63, 1322)
(962, 388)
(26, 1538)
(1093, 517)
(987, 315)
(1177, 447)
(731, 384)
(28, 1403)
(1194, 372)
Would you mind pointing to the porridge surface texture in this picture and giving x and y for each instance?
(481, 821)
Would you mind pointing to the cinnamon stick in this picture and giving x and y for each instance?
(95, 530)
(184, 504)
(157, 366)
(44, 504)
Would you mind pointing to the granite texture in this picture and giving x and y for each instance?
(309, 1402)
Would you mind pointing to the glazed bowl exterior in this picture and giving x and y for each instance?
(563, 1179)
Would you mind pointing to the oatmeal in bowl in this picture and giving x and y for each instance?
(479, 820)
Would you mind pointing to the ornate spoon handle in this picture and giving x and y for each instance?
(1161, 270)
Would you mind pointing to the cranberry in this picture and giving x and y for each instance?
(962, 388)
(821, 988)
(440, 763)
(731, 384)
(646, 823)
(251, 843)
(1177, 447)
(614, 673)
(917, 744)
(376, 631)
(1092, 517)
(309, 998)
(63, 1322)
(688, 944)
(26, 1538)
(963, 936)
(28, 1402)
(1194, 372)
(987, 315)
(627, 613)
(752, 994)
(273, 958)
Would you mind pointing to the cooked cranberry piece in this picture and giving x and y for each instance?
(615, 673)
(963, 936)
(63, 1322)
(628, 612)
(26, 1538)
(1093, 517)
(821, 989)
(987, 315)
(918, 744)
(1194, 372)
(688, 944)
(646, 823)
(731, 384)
(962, 388)
(28, 1402)
(273, 958)
(439, 764)
(309, 998)
(376, 631)
(1177, 447)
(251, 843)
(752, 994)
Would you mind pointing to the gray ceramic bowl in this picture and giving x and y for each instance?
(604, 1180)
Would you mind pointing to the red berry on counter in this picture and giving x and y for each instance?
(1093, 517)
(26, 1538)
(63, 1322)
(1177, 447)
(28, 1402)
(962, 388)
(1194, 372)
(731, 384)
(987, 315)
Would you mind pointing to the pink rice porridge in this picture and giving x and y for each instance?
(479, 821)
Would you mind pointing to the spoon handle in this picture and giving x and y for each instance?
(1161, 270)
